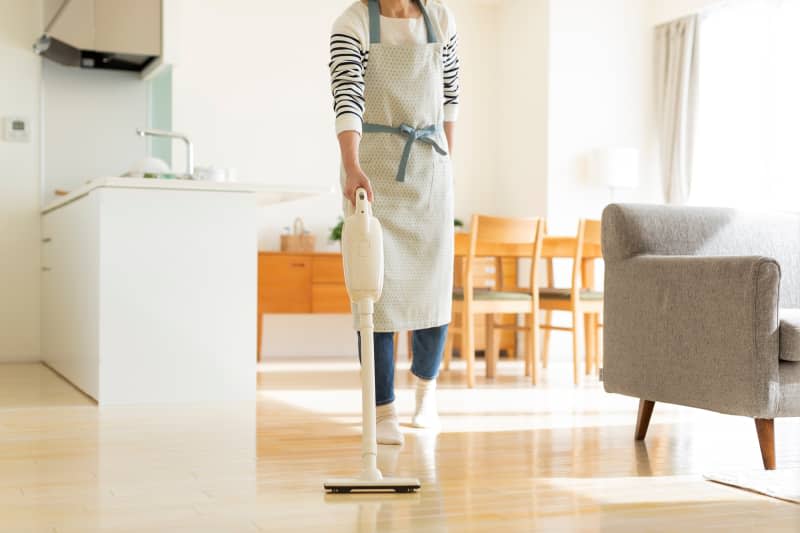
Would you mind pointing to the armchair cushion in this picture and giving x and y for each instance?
(790, 334)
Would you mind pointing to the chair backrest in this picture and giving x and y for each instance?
(589, 232)
(503, 237)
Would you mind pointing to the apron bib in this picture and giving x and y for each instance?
(403, 151)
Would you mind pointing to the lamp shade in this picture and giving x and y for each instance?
(617, 168)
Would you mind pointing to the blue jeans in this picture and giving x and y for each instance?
(428, 347)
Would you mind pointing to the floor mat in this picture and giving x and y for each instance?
(781, 484)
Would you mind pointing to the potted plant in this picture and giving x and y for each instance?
(336, 232)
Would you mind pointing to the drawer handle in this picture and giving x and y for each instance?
(46, 240)
(46, 269)
(298, 265)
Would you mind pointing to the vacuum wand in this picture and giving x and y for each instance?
(362, 255)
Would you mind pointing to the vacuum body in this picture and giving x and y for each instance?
(362, 254)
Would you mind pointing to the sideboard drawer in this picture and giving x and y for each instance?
(285, 283)
(329, 298)
(327, 269)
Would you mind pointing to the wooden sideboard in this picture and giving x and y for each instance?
(300, 283)
(304, 283)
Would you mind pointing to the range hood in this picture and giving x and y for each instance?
(105, 34)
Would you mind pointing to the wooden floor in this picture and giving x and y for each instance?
(509, 458)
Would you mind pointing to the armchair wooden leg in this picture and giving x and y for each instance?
(410, 343)
(766, 439)
(643, 418)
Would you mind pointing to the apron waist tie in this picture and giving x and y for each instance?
(426, 135)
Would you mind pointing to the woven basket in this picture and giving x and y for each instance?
(298, 240)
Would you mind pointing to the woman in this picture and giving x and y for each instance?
(394, 71)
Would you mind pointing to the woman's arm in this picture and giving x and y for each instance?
(347, 67)
(348, 145)
(450, 132)
(452, 87)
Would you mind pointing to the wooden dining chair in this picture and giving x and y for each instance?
(580, 299)
(498, 237)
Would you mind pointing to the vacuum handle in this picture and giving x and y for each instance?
(362, 202)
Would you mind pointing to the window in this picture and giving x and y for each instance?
(747, 144)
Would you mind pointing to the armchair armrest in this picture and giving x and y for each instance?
(695, 331)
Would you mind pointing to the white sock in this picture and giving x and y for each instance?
(388, 427)
(426, 414)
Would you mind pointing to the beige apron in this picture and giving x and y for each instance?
(403, 151)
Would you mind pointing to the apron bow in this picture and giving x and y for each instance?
(426, 135)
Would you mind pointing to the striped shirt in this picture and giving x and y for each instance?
(350, 57)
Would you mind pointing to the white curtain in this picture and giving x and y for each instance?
(747, 149)
(676, 86)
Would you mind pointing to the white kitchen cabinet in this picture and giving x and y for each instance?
(149, 289)
(70, 299)
(119, 26)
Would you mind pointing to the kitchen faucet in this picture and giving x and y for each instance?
(174, 135)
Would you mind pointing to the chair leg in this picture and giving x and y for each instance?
(533, 340)
(491, 346)
(643, 418)
(598, 339)
(410, 343)
(588, 341)
(548, 320)
(526, 347)
(575, 373)
(448, 350)
(395, 339)
(766, 439)
(468, 346)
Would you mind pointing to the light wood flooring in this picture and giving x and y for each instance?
(509, 458)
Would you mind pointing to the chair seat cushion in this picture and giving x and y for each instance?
(495, 296)
(565, 294)
(790, 334)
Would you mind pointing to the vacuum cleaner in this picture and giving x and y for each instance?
(362, 253)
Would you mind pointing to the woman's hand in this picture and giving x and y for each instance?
(356, 179)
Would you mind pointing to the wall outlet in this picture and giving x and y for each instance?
(16, 129)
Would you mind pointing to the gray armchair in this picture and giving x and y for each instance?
(701, 309)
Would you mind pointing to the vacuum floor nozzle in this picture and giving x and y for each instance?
(348, 485)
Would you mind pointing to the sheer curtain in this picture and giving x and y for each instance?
(747, 143)
(676, 86)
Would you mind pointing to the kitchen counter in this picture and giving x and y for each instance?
(265, 194)
(148, 288)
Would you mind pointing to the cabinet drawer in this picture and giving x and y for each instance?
(329, 298)
(284, 283)
(327, 269)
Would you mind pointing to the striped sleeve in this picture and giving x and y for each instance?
(347, 67)
(451, 79)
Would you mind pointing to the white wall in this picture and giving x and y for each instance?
(250, 105)
(19, 184)
(600, 65)
(519, 114)
(90, 119)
